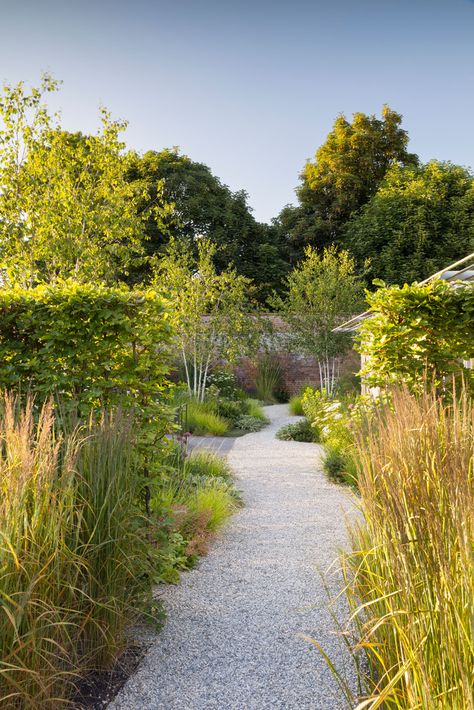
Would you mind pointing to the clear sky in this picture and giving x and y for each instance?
(251, 87)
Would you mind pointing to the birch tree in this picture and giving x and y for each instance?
(211, 310)
(67, 209)
(323, 291)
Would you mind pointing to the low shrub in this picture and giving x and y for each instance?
(248, 423)
(214, 501)
(299, 431)
(334, 420)
(195, 497)
(230, 409)
(296, 405)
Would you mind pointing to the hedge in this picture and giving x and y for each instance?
(91, 344)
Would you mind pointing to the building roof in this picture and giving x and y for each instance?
(453, 274)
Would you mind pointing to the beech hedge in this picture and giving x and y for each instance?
(418, 332)
(92, 345)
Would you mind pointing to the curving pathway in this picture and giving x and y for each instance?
(232, 639)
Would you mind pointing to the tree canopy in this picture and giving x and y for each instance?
(347, 170)
(67, 209)
(420, 220)
(205, 207)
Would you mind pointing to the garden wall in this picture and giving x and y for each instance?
(298, 370)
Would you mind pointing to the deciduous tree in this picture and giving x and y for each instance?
(323, 291)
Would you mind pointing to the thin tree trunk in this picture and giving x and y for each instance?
(205, 376)
(186, 369)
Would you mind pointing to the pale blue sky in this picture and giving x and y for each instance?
(252, 87)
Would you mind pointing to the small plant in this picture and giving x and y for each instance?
(207, 464)
(248, 423)
(201, 420)
(296, 405)
(254, 409)
(215, 501)
(299, 431)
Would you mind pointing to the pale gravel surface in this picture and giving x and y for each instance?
(232, 639)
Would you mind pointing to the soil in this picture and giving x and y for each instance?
(97, 688)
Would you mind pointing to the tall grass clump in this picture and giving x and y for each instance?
(69, 548)
(268, 379)
(410, 577)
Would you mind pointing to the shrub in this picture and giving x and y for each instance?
(201, 420)
(299, 431)
(230, 409)
(296, 405)
(248, 423)
(269, 378)
(73, 562)
(94, 345)
(416, 334)
(225, 382)
(410, 578)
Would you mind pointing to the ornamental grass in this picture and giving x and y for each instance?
(70, 550)
(410, 576)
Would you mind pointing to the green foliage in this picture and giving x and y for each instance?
(299, 431)
(207, 464)
(249, 423)
(296, 405)
(74, 566)
(420, 220)
(68, 210)
(225, 382)
(215, 500)
(323, 291)
(230, 409)
(409, 577)
(204, 207)
(269, 377)
(254, 409)
(417, 333)
(92, 344)
(347, 170)
(196, 496)
(202, 420)
(211, 311)
(333, 421)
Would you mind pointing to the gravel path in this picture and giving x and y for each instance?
(232, 639)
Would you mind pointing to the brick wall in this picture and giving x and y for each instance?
(298, 370)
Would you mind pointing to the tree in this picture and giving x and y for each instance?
(212, 312)
(204, 207)
(420, 220)
(67, 209)
(323, 291)
(347, 170)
